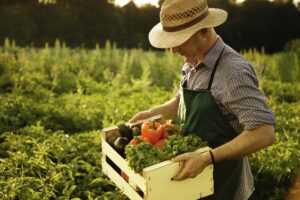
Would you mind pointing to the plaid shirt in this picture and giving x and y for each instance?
(235, 89)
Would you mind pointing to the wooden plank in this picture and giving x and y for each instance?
(110, 128)
(120, 182)
(160, 186)
(122, 164)
(111, 133)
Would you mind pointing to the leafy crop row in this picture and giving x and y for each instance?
(55, 101)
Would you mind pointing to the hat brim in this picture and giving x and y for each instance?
(162, 39)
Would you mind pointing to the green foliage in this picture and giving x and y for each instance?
(144, 155)
(281, 91)
(55, 101)
(177, 145)
(67, 86)
(282, 67)
(276, 167)
(293, 46)
(41, 164)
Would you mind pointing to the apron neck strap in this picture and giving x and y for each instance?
(214, 70)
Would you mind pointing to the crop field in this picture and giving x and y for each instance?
(54, 101)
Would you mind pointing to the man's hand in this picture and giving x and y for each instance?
(140, 116)
(191, 164)
(244, 144)
(168, 110)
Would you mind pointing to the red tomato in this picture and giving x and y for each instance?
(160, 143)
(152, 130)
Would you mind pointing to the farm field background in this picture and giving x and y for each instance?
(55, 101)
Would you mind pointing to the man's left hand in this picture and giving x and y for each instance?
(191, 164)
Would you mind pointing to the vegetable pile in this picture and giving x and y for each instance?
(157, 143)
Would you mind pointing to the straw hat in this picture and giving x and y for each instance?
(180, 19)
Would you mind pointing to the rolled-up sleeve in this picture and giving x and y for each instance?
(243, 99)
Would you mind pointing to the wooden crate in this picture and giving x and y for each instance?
(155, 181)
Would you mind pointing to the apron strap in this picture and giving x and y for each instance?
(214, 71)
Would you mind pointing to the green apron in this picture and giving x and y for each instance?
(201, 115)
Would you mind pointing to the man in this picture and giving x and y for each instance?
(219, 99)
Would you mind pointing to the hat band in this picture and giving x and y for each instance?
(186, 25)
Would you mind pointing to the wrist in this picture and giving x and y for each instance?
(152, 112)
(208, 160)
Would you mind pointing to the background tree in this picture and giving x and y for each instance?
(252, 24)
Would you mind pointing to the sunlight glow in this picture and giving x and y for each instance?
(295, 1)
(155, 2)
(138, 2)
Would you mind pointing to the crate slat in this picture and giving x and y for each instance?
(122, 164)
(188, 189)
(120, 182)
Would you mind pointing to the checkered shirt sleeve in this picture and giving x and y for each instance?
(244, 100)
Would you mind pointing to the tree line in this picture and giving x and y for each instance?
(84, 23)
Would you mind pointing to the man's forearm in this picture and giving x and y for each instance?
(168, 109)
(246, 143)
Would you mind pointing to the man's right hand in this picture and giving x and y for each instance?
(168, 110)
(141, 115)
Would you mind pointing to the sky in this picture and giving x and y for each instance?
(155, 2)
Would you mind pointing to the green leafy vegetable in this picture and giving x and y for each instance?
(144, 155)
